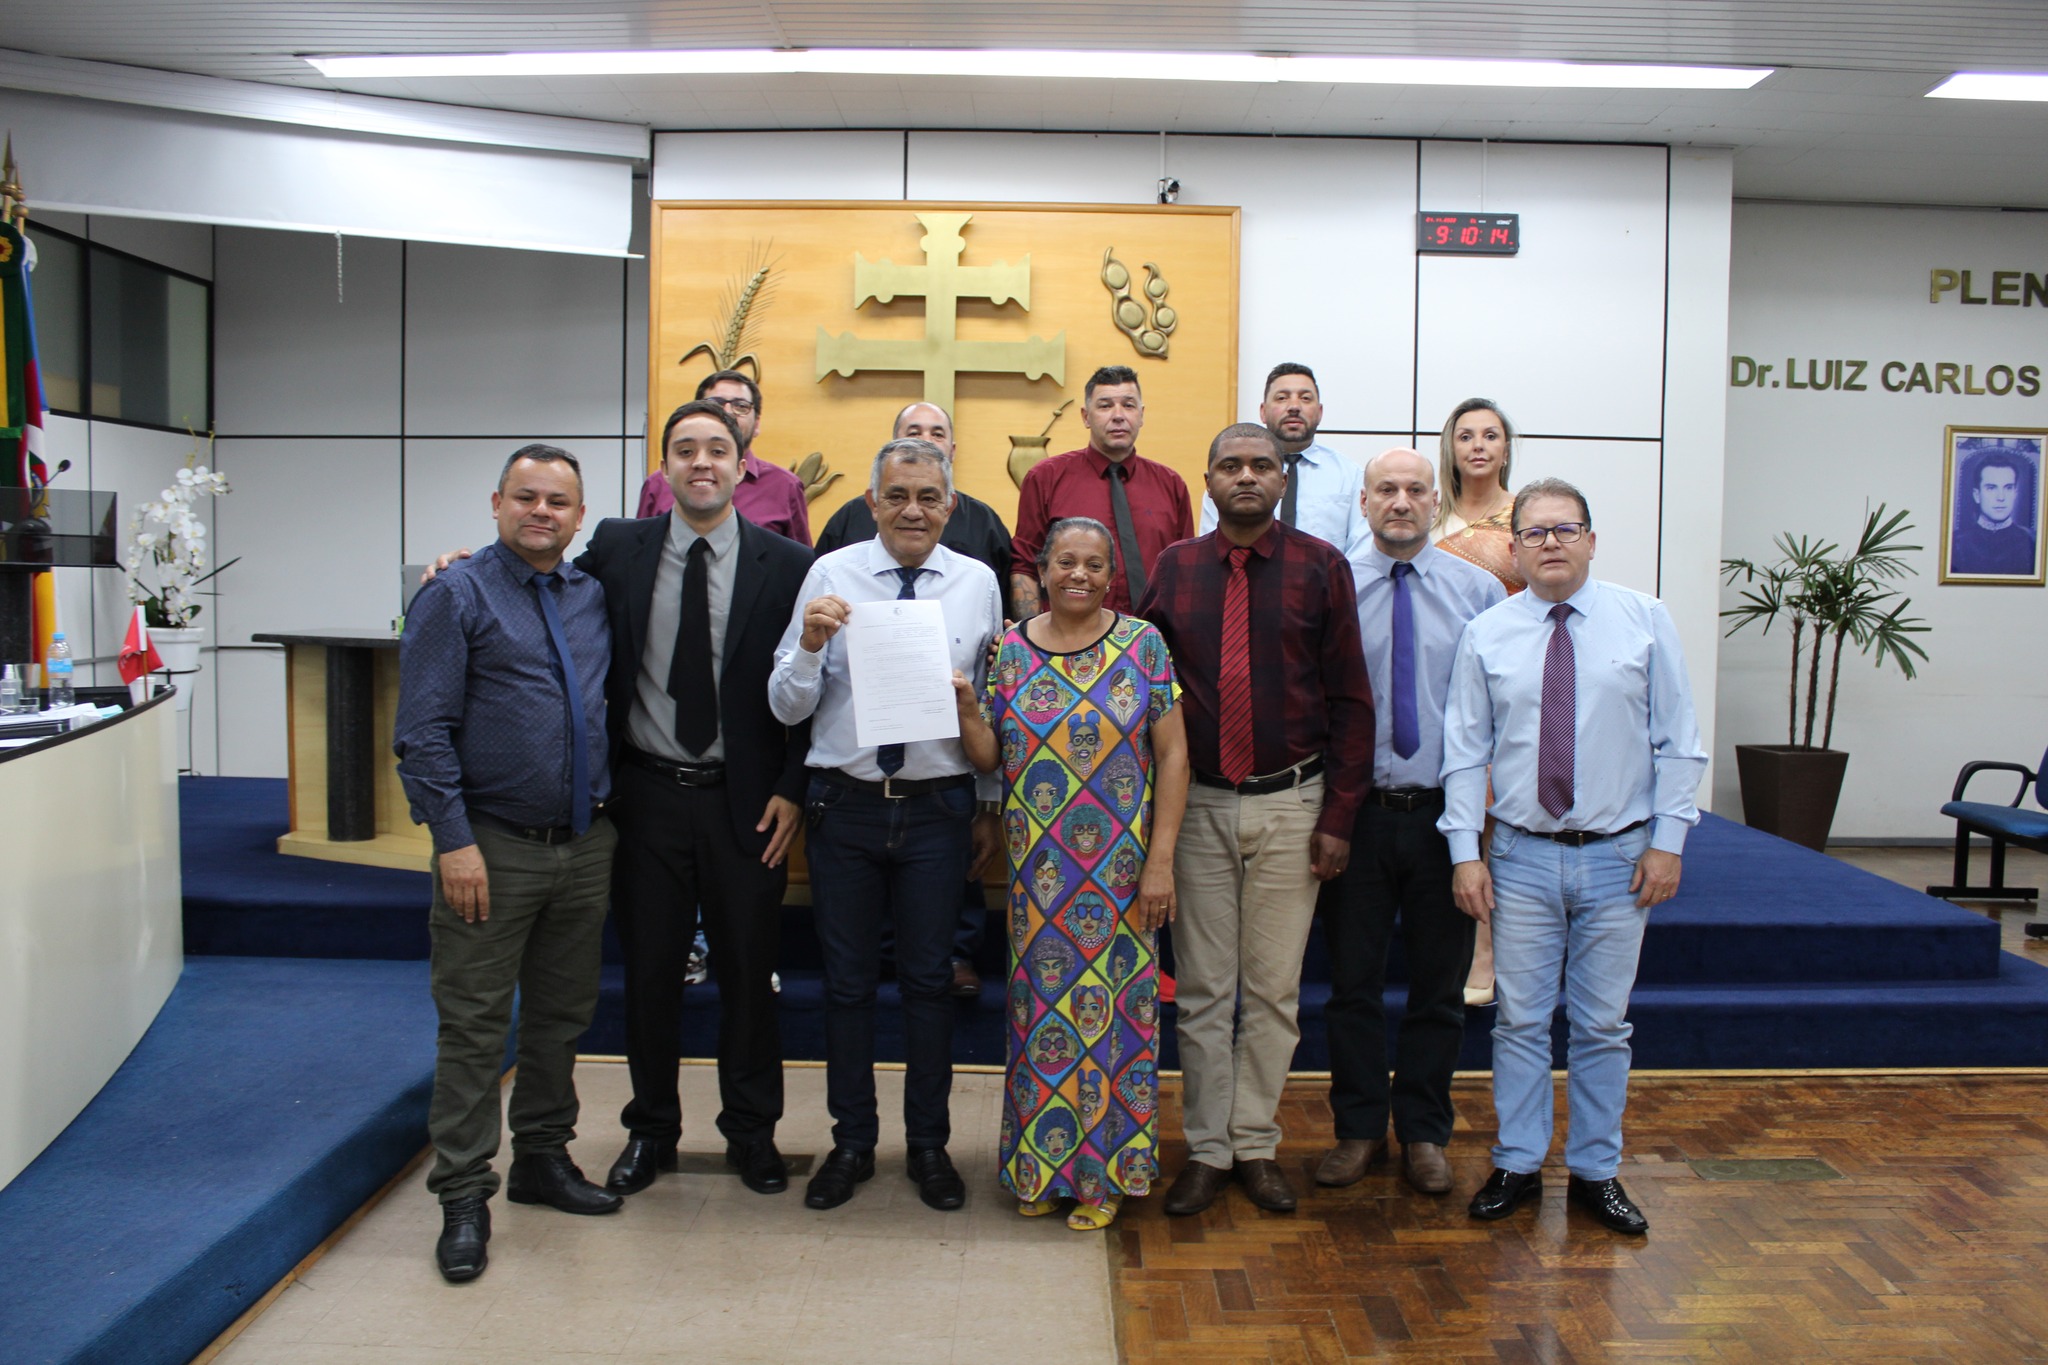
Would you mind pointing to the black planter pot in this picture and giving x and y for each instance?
(1790, 790)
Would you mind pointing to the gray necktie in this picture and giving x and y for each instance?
(1126, 532)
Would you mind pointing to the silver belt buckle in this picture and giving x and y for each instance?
(888, 789)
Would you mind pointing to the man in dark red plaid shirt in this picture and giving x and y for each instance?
(1262, 621)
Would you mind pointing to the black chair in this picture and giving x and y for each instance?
(2007, 824)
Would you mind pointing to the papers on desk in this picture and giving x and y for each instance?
(30, 727)
(902, 673)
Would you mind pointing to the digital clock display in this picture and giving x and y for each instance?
(1468, 234)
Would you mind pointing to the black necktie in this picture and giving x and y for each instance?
(1126, 532)
(690, 679)
(1293, 487)
(889, 757)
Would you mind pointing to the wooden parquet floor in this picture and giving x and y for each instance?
(1933, 1247)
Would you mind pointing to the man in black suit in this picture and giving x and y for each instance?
(706, 790)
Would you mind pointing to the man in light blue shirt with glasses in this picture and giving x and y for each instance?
(1575, 693)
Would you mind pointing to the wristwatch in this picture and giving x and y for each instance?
(991, 808)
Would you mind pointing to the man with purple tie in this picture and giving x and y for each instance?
(1413, 603)
(1576, 693)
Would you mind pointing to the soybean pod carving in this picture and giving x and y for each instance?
(1148, 320)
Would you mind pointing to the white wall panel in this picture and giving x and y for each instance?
(506, 342)
(1568, 335)
(1619, 479)
(250, 686)
(1047, 168)
(327, 364)
(181, 246)
(448, 487)
(1326, 231)
(822, 165)
(1852, 282)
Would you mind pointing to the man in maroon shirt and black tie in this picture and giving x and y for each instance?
(1144, 503)
(1255, 609)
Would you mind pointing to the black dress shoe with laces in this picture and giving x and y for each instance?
(465, 1228)
(637, 1166)
(1504, 1192)
(761, 1167)
(833, 1184)
(938, 1184)
(1607, 1201)
(551, 1178)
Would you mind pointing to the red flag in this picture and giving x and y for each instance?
(138, 655)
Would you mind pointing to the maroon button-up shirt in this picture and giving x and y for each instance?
(1310, 692)
(1076, 484)
(768, 495)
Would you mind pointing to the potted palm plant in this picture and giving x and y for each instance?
(1830, 600)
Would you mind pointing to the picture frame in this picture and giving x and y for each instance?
(1992, 506)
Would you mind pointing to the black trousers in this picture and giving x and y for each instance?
(677, 853)
(1400, 873)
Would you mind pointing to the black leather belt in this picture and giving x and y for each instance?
(1579, 838)
(682, 774)
(1405, 798)
(895, 788)
(555, 834)
(1271, 782)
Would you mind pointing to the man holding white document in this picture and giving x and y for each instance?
(886, 653)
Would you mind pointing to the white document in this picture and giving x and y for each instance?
(902, 673)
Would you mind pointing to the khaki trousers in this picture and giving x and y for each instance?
(1247, 898)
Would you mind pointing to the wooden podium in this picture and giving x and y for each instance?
(347, 806)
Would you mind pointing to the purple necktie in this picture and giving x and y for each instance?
(1560, 716)
(1407, 729)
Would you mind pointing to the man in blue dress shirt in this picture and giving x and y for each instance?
(1322, 493)
(893, 830)
(1413, 603)
(500, 737)
(1576, 693)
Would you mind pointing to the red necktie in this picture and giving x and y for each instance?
(1234, 681)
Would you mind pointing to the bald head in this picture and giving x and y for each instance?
(926, 422)
(1399, 501)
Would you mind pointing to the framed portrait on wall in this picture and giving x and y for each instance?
(1991, 506)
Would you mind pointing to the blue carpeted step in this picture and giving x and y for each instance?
(265, 1104)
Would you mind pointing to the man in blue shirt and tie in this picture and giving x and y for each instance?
(894, 829)
(500, 737)
(1413, 603)
(1322, 495)
(1576, 693)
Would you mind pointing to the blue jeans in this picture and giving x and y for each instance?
(877, 861)
(1563, 914)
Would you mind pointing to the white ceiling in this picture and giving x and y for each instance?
(1842, 119)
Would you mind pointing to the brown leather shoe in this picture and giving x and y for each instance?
(1424, 1166)
(966, 981)
(1349, 1160)
(1195, 1188)
(1266, 1185)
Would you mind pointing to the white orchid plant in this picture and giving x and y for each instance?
(168, 540)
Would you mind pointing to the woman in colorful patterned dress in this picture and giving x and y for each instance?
(1094, 754)
(1474, 521)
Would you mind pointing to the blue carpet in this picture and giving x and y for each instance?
(267, 1102)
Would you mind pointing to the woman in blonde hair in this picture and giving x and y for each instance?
(1475, 516)
(1475, 521)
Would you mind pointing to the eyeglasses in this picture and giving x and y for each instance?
(738, 407)
(1567, 533)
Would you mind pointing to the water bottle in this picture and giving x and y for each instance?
(10, 690)
(58, 665)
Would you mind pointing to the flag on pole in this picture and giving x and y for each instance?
(138, 656)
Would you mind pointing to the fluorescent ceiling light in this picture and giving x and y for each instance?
(1989, 85)
(1171, 66)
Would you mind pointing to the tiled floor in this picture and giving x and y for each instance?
(700, 1269)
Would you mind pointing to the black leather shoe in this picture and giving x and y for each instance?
(637, 1166)
(938, 1184)
(834, 1182)
(1504, 1192)
(551, 1178)
(465, 1228)
(1607, 1201)
(761, 1167)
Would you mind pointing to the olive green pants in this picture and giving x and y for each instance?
(543, 939)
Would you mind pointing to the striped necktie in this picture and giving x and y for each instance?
(1234, 679)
